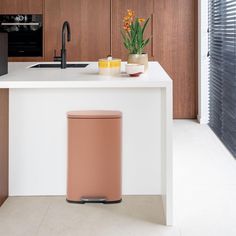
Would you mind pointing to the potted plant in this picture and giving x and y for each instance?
(133, 38)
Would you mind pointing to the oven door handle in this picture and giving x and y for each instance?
(10, 24)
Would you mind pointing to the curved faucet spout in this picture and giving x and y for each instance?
(66, 26)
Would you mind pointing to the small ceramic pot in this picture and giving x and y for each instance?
(134, 70)
(141, 59)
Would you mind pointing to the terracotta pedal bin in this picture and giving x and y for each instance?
(94, 157)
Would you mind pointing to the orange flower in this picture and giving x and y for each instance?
(127, 26)
(130, 16)
(130, 13)
(140, 20)
(128, 20)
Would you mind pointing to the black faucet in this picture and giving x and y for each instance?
(66, 26)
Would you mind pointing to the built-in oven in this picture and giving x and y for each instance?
(25, 34)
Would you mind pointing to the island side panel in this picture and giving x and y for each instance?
(167, 153)
(4, 111)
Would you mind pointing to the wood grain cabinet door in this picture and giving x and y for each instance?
(94, 29)
(21, 6)
(175, 47)
(90, 28)
(142, 9)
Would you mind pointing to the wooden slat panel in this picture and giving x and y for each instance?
(3, 145)
(175, 48)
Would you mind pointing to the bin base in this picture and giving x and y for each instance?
(95, 201)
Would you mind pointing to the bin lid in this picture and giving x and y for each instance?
(94, 114)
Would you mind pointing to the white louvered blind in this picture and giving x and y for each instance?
(222, 70)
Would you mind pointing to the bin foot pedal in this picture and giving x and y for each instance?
(103, 200)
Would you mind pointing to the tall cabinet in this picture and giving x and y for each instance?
(90, 28)
(175, 49)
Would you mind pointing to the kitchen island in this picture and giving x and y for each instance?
(39, 99)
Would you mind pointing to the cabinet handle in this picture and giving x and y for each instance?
(8, 24)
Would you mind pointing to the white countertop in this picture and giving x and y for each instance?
(21, 76)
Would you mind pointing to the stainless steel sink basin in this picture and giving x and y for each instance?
(59, 66)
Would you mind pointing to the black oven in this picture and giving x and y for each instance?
(25, 34)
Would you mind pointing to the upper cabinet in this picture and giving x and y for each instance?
(90, 28)
(119, 10)
(21, 6)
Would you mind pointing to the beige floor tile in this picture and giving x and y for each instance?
(22, 216)
(136, 215)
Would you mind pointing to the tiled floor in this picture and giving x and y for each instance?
(205, 199)
(205, 182)
(47, 216)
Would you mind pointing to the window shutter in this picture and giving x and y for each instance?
(222, 70)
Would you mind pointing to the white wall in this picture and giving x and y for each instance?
(203, 95)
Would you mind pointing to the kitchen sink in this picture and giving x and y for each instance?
(59, 66)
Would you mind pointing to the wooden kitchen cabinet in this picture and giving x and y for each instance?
(175, 48)
(119, 10)
(90, 28)
(4, 98)
(21, 6)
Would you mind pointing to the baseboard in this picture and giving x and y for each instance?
(202, 120)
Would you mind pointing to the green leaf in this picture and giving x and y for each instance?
(129, 34)
(145, 25)
(123, 35)
(132, 27)
(139, 37)
(146, 42)
(137, 25)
